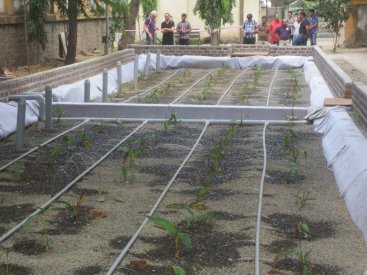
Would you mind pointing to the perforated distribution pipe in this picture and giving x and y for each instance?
(192, 86)
(67, 187)
(261, 192)
(230, 86)
(147, 91)
(163, 194)
(41, 145)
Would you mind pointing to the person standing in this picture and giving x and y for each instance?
(183, 28)
(263, 30)
(296, 24)
(150, 27)
(283, 33)
(167, 28)
(274, 25)
(302, 37)
(290, 22)
(249, 30)
(314, 24)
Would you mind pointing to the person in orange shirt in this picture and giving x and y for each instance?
(274, 25)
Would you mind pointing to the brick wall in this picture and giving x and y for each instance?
(203, 50)
(225, 50)
(12, 44)
(340, 83)
(63, 75)
(360, 99)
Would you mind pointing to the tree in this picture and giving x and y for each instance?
(215, 13)
(335, 14)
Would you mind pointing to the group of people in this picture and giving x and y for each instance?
(168, 28)
(290, 31)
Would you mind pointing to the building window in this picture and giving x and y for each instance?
(2, 7)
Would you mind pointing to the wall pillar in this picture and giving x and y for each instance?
(350, 28)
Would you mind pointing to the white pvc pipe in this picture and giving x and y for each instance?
(230, 86)
(67, 187)
(271, 87)
(163, 194)
(40, 146)
(152, 88)
(259, 209)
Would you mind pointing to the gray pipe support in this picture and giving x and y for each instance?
(158, 62)
(87, 90)
(146, 68)
(48, 109)
(119, 76)
(19, 142)
(136, 71)
(105, 85)
(38, 97)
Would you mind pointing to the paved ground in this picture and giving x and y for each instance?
(352, 60)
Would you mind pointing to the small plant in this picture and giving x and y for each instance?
(128, 161)
(178, 270)
(84, 139)
(244, 94)
(4, 269)
(74, 210)
(356, 115)
(170, 121)
(257, 75)
(304, 230)
(58, 112)
(98, 126)
(18, 172)
(303, 258)
(204, 94)
(180, 237)
(302, 198)
(189, 208)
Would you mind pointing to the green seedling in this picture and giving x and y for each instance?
(303, 258)
(304, 230)
(356, 115)
(180, 237)
(209, 81)
(67, 141)
(189, 208)
(98, 126)
(257, 75)
(302, 198)
(178, 270)
(204, 94)
(84, 139)
(170, 121)
(74, 210)
(202, 191)
(18, 172)
(58, 112)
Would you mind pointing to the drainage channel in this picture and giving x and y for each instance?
(68, 186)
(41, 145)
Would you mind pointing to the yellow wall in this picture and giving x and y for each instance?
(230, 33)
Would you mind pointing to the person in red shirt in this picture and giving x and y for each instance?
(274, 25)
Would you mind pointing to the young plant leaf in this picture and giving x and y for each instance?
(164, 223)
(179, 270)
(202, 191)
(185, 239)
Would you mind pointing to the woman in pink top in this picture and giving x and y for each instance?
(274, 25)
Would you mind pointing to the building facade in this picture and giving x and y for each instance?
(355, 31)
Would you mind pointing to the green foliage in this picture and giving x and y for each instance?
(302, 198)
(170, 121)
(178, 270)
(18, 172)
(84, 139)
(148, 6)
(335, 14)
(192, 217)
(304, 230)
(36, 19)
(215, 13)
(180, 237)
(303, 258)
(58, 112)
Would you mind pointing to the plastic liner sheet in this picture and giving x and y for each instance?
(345, 149)
(318, 86)
(8, 116)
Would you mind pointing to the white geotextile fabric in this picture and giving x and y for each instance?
(8, 116)
(318, 86)
(345, 149)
